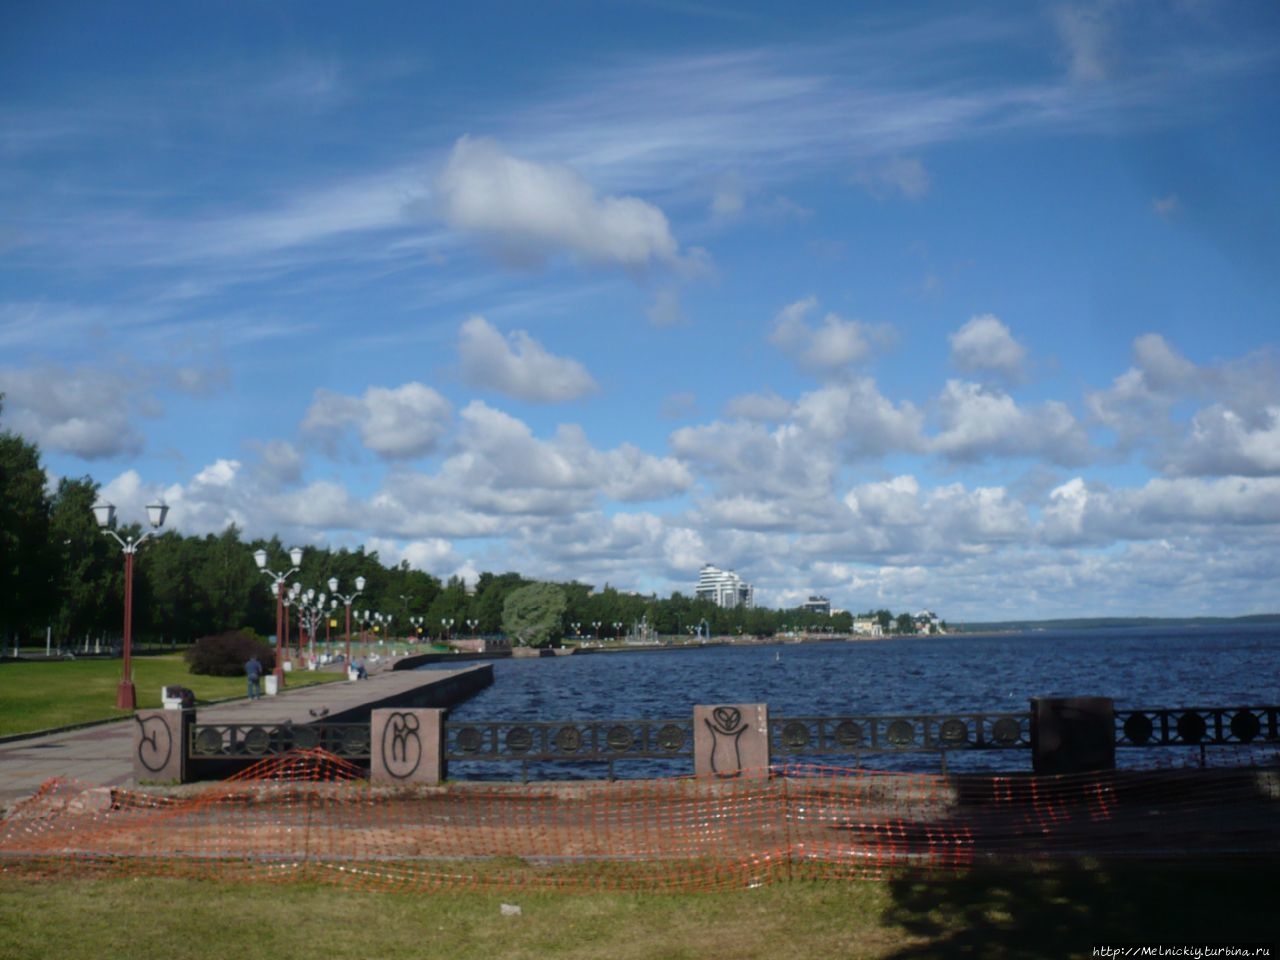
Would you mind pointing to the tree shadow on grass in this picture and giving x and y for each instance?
(1063, 866)
(1067, 909)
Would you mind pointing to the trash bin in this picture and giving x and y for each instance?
(178, 698)
(271, 684)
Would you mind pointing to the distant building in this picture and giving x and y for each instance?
(928, 622)
(867, 627)
(818, 605)
(724, 588)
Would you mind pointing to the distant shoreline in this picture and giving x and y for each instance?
(1102, 623)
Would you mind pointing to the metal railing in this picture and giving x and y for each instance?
(854, 736)
(594, 741)
(1197, 726)
(256, 741)
(609, 742)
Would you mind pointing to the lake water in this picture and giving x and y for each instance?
(1137, 667)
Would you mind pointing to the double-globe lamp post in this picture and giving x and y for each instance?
(346, 600)
(126, 693)
(278, 579)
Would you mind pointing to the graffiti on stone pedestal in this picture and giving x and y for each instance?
(155, 743)
(726, 728)
(401, 745)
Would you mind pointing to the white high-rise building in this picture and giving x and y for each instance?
(724, 588)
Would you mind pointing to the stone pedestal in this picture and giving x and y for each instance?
(1073, 734)
(731, 740)
(407, 746)
(160, 745)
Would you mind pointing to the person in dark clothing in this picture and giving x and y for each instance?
(253, 670)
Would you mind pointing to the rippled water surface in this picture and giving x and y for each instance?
(1138, 668)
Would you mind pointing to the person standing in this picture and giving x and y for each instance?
(253, 670)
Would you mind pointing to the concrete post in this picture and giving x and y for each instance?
(731, 740)
(160, 745)
(1073, 734)
(407, 746)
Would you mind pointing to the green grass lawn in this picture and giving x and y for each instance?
(42, 694)
(1015, 911)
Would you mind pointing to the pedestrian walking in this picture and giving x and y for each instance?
(253, 670)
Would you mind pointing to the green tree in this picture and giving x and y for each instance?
(229, 580)
(532, 614)
(26, 562)
(491, 594)
(450, 604)
(86, 563)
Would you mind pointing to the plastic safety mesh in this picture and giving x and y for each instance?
(310, 814)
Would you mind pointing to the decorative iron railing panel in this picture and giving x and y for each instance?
(847, 736)
(591, 741)
(1197, 726)
(213, 741)
(614, 741)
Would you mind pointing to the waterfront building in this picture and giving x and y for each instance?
(819, 605)
(928, 622)
(867, 627)
(724, 588)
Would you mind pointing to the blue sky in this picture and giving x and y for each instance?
(962, 307)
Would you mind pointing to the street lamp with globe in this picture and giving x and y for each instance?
(278, 581)
(126, 692)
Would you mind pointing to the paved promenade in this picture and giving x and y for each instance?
(102, 755)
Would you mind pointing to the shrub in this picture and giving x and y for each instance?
(225, 654)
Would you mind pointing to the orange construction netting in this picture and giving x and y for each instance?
(312, 815)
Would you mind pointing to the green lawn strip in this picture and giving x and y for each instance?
(191, 920)
(1010, 911)
(40, 695)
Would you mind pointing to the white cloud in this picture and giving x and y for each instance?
(500, 470)
(282, 462)
(901, 517)
(1223, 442)
(764, 407)
(397, 424)
(857, 419)
(1081, 512)
(980, 422)
(84, 412)
(220, 474)
(1163, 368)
(321, 505)
(985, 345)
(518, 366)
(747, 459)
(1233, 429)
(832, 346)
(533, 210)
(892, 503)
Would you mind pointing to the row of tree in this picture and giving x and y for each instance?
(61, 579)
